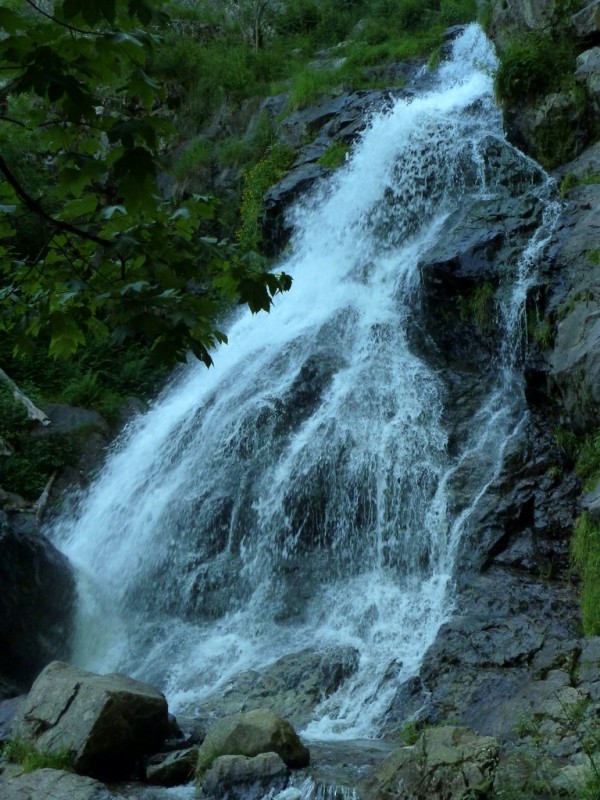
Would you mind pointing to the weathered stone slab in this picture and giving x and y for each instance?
(50, 784)
(107, 721)
(446, 763)
(172, 769)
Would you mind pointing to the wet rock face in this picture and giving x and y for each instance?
(588, 75)
(573, 303)
(37, 604)
(484, 660)
(478, 250)
(525, 518)
(292, 686)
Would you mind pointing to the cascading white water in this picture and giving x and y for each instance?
(296, 494)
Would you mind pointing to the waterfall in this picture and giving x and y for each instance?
(298, 494)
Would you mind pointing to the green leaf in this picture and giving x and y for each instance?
(10, 21)
(66, 337)
(80, 207)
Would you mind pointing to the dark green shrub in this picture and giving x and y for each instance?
(457, 12)
(585, 551)
(414, 14)
(533, 65)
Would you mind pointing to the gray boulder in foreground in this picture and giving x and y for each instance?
(107, 721)
(243, 778)
(49, 784)
(251, 734)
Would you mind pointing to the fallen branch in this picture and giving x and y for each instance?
(33, 412)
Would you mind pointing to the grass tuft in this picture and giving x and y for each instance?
(18, 751)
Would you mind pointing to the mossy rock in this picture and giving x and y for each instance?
(250, 734)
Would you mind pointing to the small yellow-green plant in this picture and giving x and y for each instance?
(542, 334)
(566, 441)
(594, 256)
(528, 726)
(335, 155)
(591, 180)
(569, 181)
(410, 732)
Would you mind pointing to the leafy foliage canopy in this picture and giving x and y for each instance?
(89, 246)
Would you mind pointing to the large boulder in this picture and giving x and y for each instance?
(107, 721)
(251, 734)
(37, 603)
(446, 763)
(243, 778)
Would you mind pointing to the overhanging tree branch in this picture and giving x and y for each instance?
(66, 25)
(32, 204)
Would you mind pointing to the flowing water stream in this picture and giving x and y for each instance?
(296, 495)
